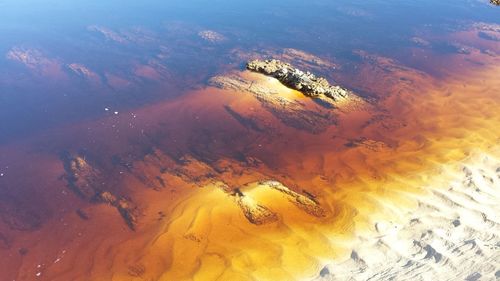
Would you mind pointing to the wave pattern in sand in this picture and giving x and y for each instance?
(452, 235)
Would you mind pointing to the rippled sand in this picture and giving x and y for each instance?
(453, 234)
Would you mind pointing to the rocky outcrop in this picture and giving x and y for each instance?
(305, 82)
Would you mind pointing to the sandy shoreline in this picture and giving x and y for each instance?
(453, 234)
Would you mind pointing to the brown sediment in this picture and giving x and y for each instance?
(203, 164)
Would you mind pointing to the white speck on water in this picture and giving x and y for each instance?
(38, 274)
(1, 174)
(116, 112)
(106, 109)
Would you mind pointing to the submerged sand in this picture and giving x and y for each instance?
(234, 184)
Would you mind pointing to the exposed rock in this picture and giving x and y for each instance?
(495, 2)
(305, 82)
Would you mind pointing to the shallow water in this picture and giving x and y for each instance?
(125, 86)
